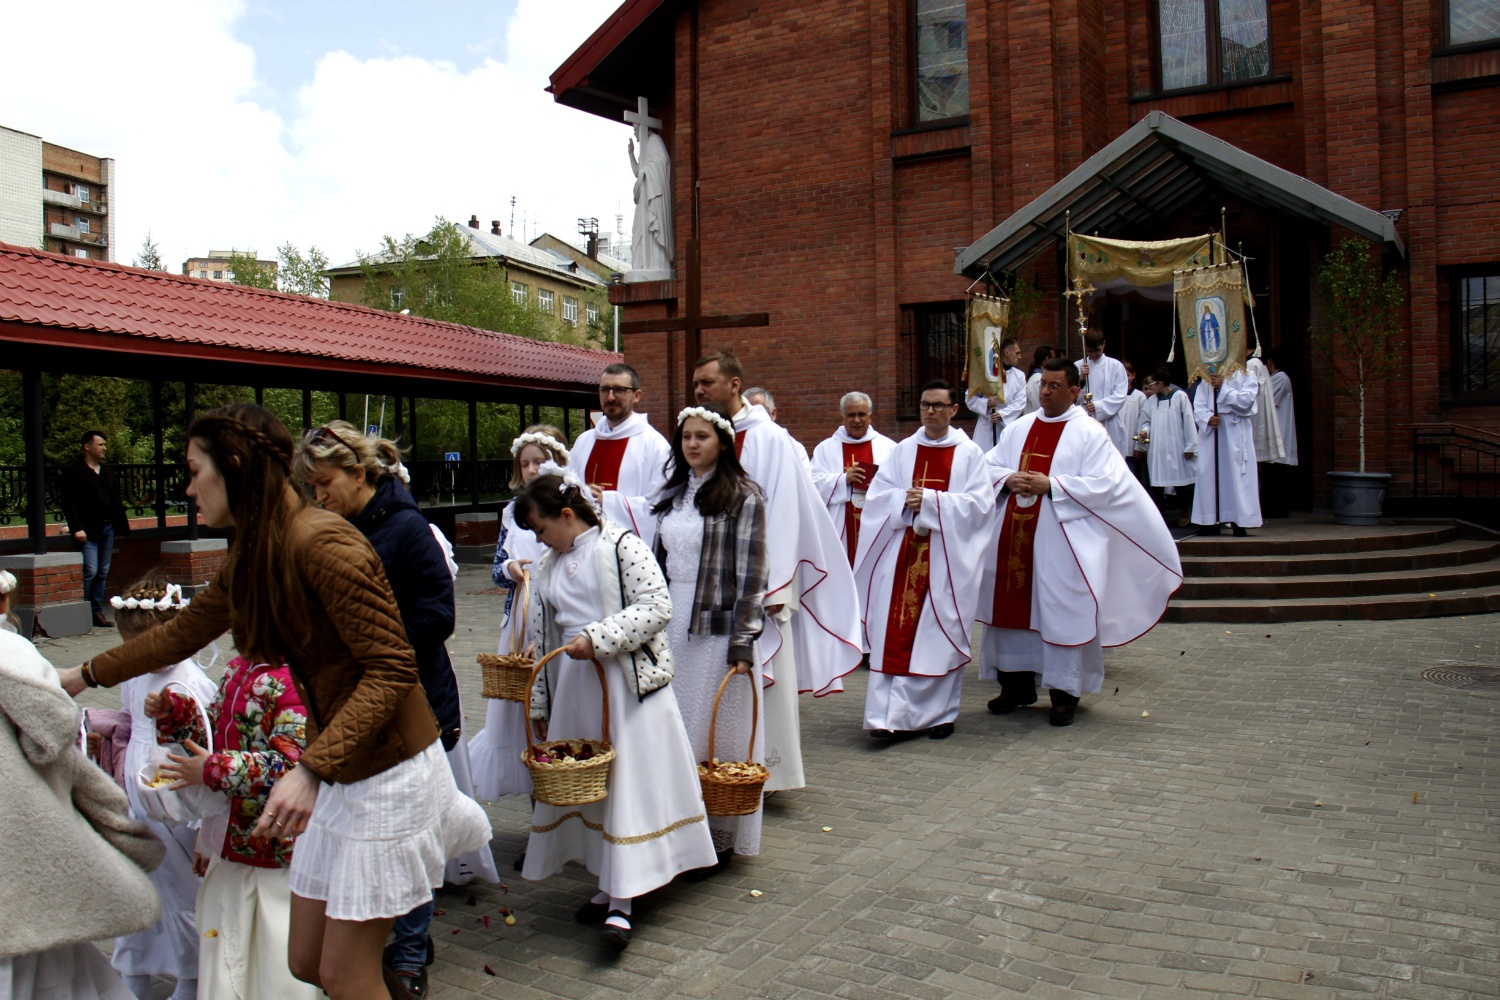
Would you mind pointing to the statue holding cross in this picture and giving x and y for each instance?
(651, 247)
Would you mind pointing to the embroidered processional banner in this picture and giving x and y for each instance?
(1211, 316)
(1101, 261)
(989, 318)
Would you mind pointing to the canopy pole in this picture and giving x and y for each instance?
(190, 412)
(36, 460)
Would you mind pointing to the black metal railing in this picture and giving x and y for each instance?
(1451, 461)
(434, 482)
(146, 490)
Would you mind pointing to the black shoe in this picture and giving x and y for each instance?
(1003, 704)
(709, 871)
(614, 937)
(592, 913)
(882, 734)
(396, 983)
(1240, 532)
(520, 861)
(414, 982)
(1062, 715)
(1208, 530)
(941, 731)
(102, 622)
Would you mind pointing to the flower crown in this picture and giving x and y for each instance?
(171, 599)
(546, 442)
(399, 470)
(709, 415)
(569, 478)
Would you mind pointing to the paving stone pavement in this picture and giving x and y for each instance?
(1300, 815)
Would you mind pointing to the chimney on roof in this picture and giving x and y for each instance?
(473, 222)
(593, 250)
(495, 227)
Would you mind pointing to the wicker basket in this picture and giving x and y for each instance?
(505, 676)
(569, 783)
(738, 793)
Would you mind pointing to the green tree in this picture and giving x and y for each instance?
(149, 256)
(244, 269)
(302, 275)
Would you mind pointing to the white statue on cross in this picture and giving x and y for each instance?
(651, 247)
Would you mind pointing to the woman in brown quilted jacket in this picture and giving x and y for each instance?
(372, 801)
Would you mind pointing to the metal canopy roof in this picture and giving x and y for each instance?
(1151, 171)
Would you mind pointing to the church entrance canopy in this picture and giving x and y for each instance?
(1154, 170)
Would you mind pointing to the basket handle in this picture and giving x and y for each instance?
(518, 634)
(208, 726)
(536, 672)
(713, 719)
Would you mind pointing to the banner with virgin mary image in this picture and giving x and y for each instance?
(989, 319)
(1211, 316)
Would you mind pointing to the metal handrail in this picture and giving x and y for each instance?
(1450, 462)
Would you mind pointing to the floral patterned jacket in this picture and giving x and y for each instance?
(260, 731)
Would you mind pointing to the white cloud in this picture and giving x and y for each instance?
(374, 146)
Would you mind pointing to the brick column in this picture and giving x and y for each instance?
(49, 594)
(474, 538)
(192, 563)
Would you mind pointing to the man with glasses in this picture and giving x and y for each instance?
(622, 456)
(920, 566)
(1169, 437)
(844, 464)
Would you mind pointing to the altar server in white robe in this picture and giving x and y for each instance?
(812, 635)
(1267, 430)
(1079, 558)
(622, 457)
(1105, 387)
(994, 415)
(844, 464)
(1228, 490)
(1039, 357)
(1276, 485)
(1130, 421)
(918, 571)
(1169, 437)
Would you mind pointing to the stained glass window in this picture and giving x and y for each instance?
(1191, 58)
(1244, 40)
(1472, 21)
(942, 59)
(1478, 360)
(1184, 41)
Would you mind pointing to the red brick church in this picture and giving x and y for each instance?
(848, 168)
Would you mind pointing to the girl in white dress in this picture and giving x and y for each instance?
(495, 751)
(600, 595)
(170, 946)
(711, 542)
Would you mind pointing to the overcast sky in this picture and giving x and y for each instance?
(247, 123)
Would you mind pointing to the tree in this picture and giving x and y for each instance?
(149, 256)
(244, 269)
(1361, 335)
(301, 275)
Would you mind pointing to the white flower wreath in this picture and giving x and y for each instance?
(709, 415)
(569, 478)
(546, 442)
(171, 599)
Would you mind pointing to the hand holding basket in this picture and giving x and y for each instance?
(505, 676)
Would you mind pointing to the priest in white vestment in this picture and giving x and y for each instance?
(1169, 436)
(1268, 444)
(1276, 490)
(918, 572)
(992, 415)
(1228, 490)
(1079, 559)
(623, 458)
(844, 464)
(1105, 387)
(812, 636)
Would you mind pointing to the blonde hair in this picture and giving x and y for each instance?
(140, 620)
(339, 444)
(558, 454)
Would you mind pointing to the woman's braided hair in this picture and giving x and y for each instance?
(252, 450)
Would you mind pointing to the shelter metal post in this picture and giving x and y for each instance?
(190, 410)
(400, 422)
(260, 395)
(158, 429)
(36, 461)
(474, 451)
(344, 408)
(306, 410)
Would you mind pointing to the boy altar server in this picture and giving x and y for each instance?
(622, 457)
(918, 571)
(1081, 559)
(1170, 439)
(842, 464)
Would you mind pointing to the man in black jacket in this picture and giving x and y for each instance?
(91, 503)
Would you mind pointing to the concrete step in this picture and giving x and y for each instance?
(1459, 552)
(1341, 585)
(1315, 538)
(1376, 608)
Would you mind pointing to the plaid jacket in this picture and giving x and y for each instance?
(732, 574)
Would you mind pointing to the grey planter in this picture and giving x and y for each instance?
(1358, 496)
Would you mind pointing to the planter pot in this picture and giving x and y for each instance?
(1358, 496)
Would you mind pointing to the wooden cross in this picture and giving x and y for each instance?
(642, 121)
(693, 322)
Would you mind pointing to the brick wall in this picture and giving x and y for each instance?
(47, 584)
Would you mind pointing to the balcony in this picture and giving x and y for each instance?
(76, 235)
(62, 199)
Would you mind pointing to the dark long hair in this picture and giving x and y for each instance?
(720, 494)
(252, 451)
(546, 496)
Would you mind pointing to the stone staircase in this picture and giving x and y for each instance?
(1309, 568)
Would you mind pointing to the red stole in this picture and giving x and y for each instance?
(1013, 561)
(859, 451)
(603, 468)
(739, 442)
(913, 577)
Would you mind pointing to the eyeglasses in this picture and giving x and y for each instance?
(933, 406)
(615, 390)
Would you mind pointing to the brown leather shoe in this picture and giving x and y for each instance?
(1062, 715)
(102, 622)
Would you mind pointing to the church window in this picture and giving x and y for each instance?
(933, 339)
(1477, 333)
(544, 301)
(1473, 21)
(940, 64)
(1210, 42)
(518, 293)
